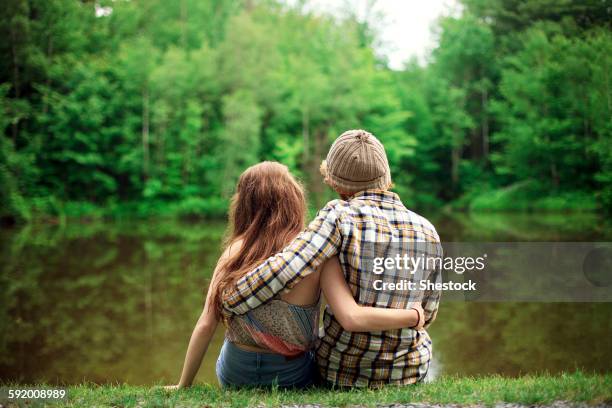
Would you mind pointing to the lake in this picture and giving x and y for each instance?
(116, 302)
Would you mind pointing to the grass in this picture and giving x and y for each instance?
(531, 196)
(527, 390)
(55, 210)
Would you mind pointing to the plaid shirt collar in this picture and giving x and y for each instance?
(378, 195)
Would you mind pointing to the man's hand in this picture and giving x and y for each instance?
(420, 314)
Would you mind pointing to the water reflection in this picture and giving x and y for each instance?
(103, 303)
(517, 338)
(116, 302)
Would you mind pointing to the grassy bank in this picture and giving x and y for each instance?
(528, 196)
(521, 197)
(528, 390)
(50, 208)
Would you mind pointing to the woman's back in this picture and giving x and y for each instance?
(277, 326)
(287, 325)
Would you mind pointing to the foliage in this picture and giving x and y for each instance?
(156, 108)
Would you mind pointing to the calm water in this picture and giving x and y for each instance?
(117, 302)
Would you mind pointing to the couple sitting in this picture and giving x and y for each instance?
(266, 285)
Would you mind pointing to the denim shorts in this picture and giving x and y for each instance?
(241, 368)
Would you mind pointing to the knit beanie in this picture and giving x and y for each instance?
(356, 161)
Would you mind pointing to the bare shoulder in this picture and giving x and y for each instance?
(232, 248)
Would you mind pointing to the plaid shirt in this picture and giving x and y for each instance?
(372, 224)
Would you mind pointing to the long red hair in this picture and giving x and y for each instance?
(267, 211)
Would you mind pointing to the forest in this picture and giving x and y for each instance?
(141, 108)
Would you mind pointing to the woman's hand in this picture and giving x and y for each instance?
(420, 316)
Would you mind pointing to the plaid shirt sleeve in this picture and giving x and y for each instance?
(431, 300)
(319, 242)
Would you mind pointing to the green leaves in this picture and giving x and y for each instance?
(162, 103)
(547, 113)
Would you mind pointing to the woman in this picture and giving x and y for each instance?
(273, 343)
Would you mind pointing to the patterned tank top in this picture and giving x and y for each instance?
(277, 326)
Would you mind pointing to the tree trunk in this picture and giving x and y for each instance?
(316, 186)
(305, 138)
(16, 84)
(160, 143)
(145, 133)
(485, 123)
(455, 157)
(554, 174)
(475, 143)
(48, 79)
